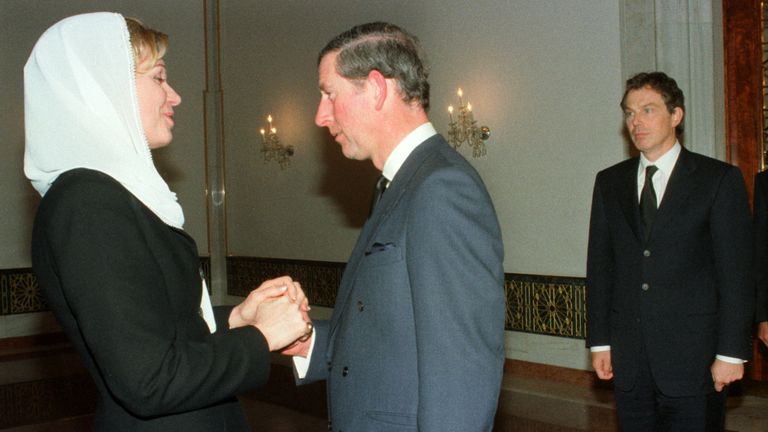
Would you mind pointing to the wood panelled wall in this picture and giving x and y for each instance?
(743, 110)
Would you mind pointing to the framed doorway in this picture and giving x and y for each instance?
(746, 114)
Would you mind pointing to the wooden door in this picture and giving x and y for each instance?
(744, 124)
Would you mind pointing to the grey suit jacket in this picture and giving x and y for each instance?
(416, 340)
(683, 295)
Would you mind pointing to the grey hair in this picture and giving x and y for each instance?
(386, 48)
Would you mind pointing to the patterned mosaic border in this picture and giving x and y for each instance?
(46, 400)
(548, 305)
(19, 292)
(319, 279)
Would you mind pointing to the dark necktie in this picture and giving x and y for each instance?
(381, 186)
(648, 204)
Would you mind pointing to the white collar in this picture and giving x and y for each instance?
(666, 163)
(404, 149)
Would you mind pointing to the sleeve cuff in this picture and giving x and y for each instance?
(732, 360)
(301, 364)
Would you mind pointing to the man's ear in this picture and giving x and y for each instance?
(677, 116)
(379, 85)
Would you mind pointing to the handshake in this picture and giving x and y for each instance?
(279, 309)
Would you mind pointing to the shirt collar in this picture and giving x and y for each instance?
(666, 162)
(405, 148)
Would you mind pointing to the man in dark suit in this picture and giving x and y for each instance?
(760, 216)
(416, 341)
(669, 288)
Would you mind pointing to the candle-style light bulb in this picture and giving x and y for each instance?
(269, 118)
(273, 130)
(461, 93)
(469, 106)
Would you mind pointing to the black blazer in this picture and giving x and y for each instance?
(416, 341)
(760, 218)
(126, 289)
(685, 294)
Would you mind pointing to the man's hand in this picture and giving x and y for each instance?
(601, 361)
(298, 348)
(724, 373)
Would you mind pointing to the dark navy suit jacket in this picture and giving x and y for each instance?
(761, 245)
(685, 294)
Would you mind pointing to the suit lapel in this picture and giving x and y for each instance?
(628, 201)
(388, 202)
(678, 189)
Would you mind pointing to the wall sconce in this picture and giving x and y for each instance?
(465, 130)
(271, 147)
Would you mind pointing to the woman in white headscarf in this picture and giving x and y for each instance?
(108, 247)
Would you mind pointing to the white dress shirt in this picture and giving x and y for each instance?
(665, 164)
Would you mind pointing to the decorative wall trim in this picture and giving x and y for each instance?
(19, 292)
(319, 279)
(548, 305)
(46, 400)
(69, 401)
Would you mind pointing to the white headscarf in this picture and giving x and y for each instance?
(81, 111)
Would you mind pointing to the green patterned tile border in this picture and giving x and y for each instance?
(548, 305)
(319, 279)
(19, 292)
(46, 400)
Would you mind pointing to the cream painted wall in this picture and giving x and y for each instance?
(544, 75)
(182, 164)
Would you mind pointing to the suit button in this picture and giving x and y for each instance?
(645, 287)
(345, 371)
(330, 366)
(360, 306)
(646, 253)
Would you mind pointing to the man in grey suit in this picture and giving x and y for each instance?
(416, 340)
(669, 282)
